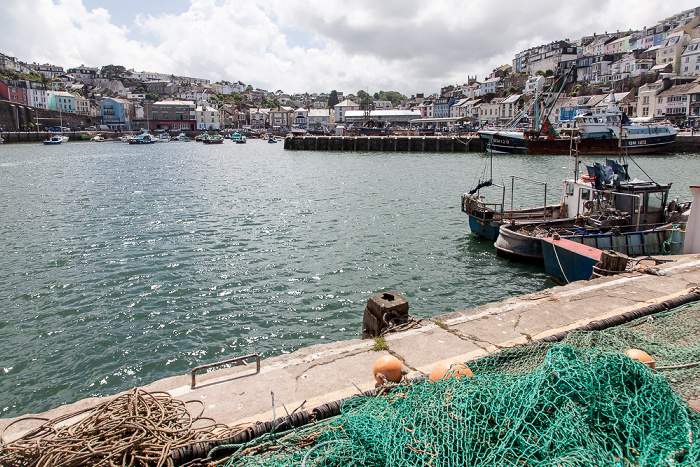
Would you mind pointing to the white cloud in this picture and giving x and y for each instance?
(314, 45)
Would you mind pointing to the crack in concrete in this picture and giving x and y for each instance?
(326, 362)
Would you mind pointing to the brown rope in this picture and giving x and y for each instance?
(135, 429)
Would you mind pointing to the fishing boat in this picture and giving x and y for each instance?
(599, 131)
(163, 138)
(213, 139)
(143, 138)
(603, 208)
(55, 139)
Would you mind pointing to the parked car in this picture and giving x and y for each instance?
(91, 128)
(54, 128)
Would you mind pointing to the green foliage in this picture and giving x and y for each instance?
(488, 97)
(549, 72)
(33, 76)
(333, 99)
(380, 344)
(393, 96)
(113, 71)
(539, 73)
(153, 97)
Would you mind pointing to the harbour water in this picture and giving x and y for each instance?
(125, 264)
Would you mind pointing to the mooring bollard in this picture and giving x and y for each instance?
(381, 309)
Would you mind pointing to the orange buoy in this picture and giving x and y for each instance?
(390, 367)
(441, 368)
(641, 356)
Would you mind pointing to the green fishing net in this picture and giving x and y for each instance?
(579, 402)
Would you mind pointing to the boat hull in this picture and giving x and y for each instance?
(567, 261)
(505, 143)
(484, 227)
(667, 239)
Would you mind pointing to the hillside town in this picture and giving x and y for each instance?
(653, 74)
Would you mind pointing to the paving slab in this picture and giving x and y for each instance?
(427, 345)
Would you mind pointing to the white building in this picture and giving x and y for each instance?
(208, 118)
(534, 84)
(491, 85)
(690, 59)
(37, 95)
(342, 108)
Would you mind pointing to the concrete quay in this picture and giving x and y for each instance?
(325, 373)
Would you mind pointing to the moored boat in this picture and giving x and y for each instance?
(213, 139)
(143, 138)
(241, 140)
(272, 139)
(55, 139)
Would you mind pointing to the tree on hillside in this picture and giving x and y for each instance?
(393, 96)
(113, 71)
(365, 100)
(333, 99)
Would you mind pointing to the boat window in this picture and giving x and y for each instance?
(570, 189)
(654, 202)
(585, 194)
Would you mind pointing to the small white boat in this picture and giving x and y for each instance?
(97, 139)
(55, 139)
(163, 138)
(143, 138)
(241, 140)
(272, 139)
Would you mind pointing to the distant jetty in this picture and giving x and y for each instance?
(470, 143)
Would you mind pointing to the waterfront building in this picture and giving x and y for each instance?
(458, 108)
(319, 118)
(301, 117)
(646, 100)
(342, 108)
(441, 107)
(208, 118)
(61, 100)
(490, 112)
(673, 104)
(694, 106)
(117, 114)
(172, 115)
(281, 117)
(258, 118)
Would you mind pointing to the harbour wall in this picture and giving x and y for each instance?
(472, 143)
(385, 143)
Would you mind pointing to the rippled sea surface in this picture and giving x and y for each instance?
(125, 264)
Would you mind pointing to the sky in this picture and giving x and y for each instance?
(310, 46)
